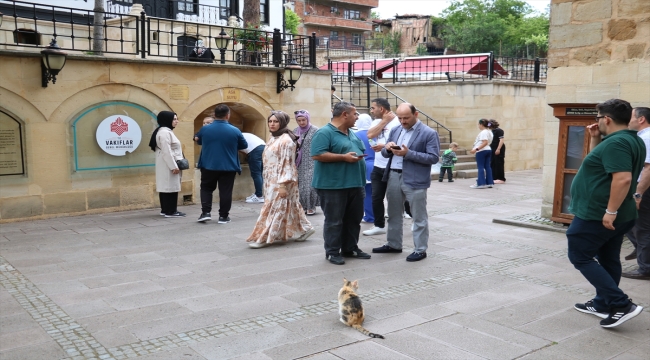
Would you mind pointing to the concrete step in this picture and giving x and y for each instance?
(459, 152)
(464, 166)
(467, 174)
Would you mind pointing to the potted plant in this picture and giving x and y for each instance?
(253, 42)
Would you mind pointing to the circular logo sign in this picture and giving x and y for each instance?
(118, 135)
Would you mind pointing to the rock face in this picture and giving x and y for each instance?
(595, 10)
(575, 35)
(635, 51)
(622, 29)
(591, 55)
(633, 7)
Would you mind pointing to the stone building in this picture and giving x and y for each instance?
(598, 50)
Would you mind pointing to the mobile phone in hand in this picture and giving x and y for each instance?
(396, 147)
(362, 155)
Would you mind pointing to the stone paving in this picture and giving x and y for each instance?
(136, 285)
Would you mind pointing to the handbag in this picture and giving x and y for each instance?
(183, 164)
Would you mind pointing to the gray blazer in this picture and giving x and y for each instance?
(424, 151)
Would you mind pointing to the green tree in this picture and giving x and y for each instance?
(391, 41)
(291, 21)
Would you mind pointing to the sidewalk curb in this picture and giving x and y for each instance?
(529, 225)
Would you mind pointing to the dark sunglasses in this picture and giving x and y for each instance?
(300, 112)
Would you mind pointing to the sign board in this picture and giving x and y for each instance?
(231, 95)
(179, 92)
(581, 111)
(11, 146)
(118, 135)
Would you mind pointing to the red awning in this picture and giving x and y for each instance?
(360, 67)
(429, 66)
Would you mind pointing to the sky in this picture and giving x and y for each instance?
(388, 8)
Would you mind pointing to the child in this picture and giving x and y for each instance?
(448, 161)
(206, 121)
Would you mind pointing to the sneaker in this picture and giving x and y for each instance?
(374, 231)
(336, 260)
(204, 217)
(475, 186)
(175, 215)
(620, 315)
(255, 200)
(416, 256)
(224, 220)
(163, 214)
(356, 254)
(490, 186)
(251, 196)
(304, 236)
(385, 249)
(406, 216)
(439, 180)
(256, 245)
(588, 308)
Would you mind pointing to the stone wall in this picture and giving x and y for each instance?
(598, 50)
(518, 107)
(52, 186)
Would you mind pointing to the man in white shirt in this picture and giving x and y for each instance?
(254, 155)
(385, 121)
(640, 234)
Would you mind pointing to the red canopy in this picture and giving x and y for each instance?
(360, 67)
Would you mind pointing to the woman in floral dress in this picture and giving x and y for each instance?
(305, 131)
(282, 217)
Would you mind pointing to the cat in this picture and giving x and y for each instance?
(350, 308)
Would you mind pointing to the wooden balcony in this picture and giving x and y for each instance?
(335, 22)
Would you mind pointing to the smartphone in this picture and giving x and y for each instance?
(362, 155)
(396, 147)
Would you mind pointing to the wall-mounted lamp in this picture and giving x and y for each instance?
(222, 41)
(53, 62)
(291, 75)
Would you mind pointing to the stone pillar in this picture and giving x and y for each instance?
(136, 9)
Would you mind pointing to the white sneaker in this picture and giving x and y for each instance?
(251, 196)
(475, 186)
(255, 200)
(256, 245)
(406, 216)
(374, 231)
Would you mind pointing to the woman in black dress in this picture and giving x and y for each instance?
(498, 152)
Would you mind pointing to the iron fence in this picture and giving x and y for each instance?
(145, 36)
(184, 10)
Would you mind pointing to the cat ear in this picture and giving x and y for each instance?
(355, 284)
(345, 280)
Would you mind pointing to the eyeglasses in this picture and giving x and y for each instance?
(600, 117)
(273, 112)
(300, 112)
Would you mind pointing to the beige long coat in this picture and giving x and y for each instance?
(167, 152)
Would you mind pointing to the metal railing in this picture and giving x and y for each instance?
(143, 36)
(185, 10)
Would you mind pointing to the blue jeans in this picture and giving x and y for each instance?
(367, 205)
(590, 240)
(343, 210)
(484, 168)
(256, 168)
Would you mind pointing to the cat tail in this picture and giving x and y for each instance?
(365, 331)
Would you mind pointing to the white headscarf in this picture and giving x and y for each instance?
(364, 122)
(199, 48)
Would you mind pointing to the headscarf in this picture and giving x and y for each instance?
(284, 119)
(165, 119)
(199, 48)
(364, 122)
(302, 131)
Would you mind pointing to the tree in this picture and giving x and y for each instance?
(251, 13)
(392, 45)
(98, 27)
(291, 21)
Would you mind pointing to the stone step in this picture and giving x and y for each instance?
(459, 152)
(467, 174)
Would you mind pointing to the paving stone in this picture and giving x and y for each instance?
(367, 350)
(421, 346)
(611, 344)
(310, 346)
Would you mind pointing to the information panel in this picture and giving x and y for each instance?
(11, 146)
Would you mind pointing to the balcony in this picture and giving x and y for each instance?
(334, 22)
(368, 3)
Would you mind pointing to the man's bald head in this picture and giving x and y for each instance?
(407, 115)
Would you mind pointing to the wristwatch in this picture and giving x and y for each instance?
(637, 196)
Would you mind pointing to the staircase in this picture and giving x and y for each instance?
(361, 91)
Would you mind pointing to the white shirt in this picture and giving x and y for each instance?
(402, 139)
(645, 136)
(253, 142)
(483, 135)
(380, 160)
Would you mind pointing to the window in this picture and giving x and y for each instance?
(229, 7)
(25, 36)
(264, 11)
(351, 14)
(334, 35)
(356, 39)
(334, 9)
(123, 2)
(188, 6)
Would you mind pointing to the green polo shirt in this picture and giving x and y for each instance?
(337, 175)
(622, 151)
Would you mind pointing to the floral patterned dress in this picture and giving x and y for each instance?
(308, 195)
(281, 219)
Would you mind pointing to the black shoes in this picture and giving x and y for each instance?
(416, 256)
(636, 275)
(175, 215)
(631, 256)
(356, 254)
(385, 249)
(204, 217)
(224, 220)
(336, 260)
(620, 315)
(588, 308)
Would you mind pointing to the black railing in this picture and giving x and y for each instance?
(34, 25)
(442, 68)
(184, 10)
(144, 36)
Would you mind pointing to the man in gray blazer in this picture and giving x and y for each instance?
(412, 148)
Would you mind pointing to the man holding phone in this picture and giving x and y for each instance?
(411, 148)
(340, 179)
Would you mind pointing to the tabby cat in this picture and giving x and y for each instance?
(350, 308)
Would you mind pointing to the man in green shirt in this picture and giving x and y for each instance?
(604, 209)
(340, 179)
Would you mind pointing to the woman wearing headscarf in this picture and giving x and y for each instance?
(305, 131)
(168, 176)
(362, 125)
(282, 219)
(498, 152)
(200, 53)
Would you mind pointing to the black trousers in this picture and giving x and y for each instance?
(497, 165)
(168, 203)
(343, 210)
(378, 195)
(450, 173)
(210, 179)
